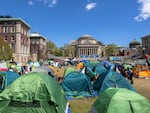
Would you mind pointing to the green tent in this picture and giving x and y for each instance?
(69, 70)
(120, 100)
(33, 93)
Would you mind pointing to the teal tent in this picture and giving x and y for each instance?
(102, 72)
(6, 78)
(100, 69)
(120, 100)
(76, 85)
(89, 65)
(115, 79)
(89, 72)
(33, 93)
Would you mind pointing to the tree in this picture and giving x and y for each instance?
(68, 50)
(111, 50)
(51, 47)
(5, 51)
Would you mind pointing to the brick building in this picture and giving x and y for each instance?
(16, 32)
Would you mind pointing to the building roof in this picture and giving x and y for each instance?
(37, 35)
(147, 36)
(135, 42)
(14, 19)
(86, 36)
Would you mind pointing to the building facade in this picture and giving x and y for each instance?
(146, 44)
(16, 32)
(37, 47)
(87, 46)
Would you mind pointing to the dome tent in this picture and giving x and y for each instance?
(77, 84)
(120, 100)
(6, 78)
(112, 79)
(33, 93)
(102, 72)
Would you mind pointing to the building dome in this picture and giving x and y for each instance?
(86, 36)
(134, 42)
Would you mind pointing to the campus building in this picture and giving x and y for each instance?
(37, 46)
(16, 32)
(146, 44)
(88, 47)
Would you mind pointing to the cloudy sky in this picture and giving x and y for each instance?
(108, 21)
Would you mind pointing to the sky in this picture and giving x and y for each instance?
(61, 21)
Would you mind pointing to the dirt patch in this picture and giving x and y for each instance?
(142, 86)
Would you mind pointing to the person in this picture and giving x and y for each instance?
(130, 75)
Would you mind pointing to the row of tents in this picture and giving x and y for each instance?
(79, 84)
(40, 92)
(113, 91)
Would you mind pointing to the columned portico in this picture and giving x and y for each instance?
(88, 46)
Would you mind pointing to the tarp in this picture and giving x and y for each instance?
(7, 78)
(143, 74)
(45, 69)
(77, 84)
(3, 66)
(120, 100)
(115, 79)
(33, 93)
(55, 69)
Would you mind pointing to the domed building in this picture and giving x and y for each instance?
(134, 44)
(87, 46)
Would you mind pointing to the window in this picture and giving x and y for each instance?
(12, 29)
(5, 29)
(5, 38)
(12, 38)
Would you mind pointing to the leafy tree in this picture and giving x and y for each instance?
(68, 50)
(111, 50)
(5, 51)
(51, 47)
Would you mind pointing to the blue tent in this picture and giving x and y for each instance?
(114, 79)
(6, 78)
(77, 84)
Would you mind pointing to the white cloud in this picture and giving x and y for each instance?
(90, 6)
(30, 2)
(144, 10)
(50, 3)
